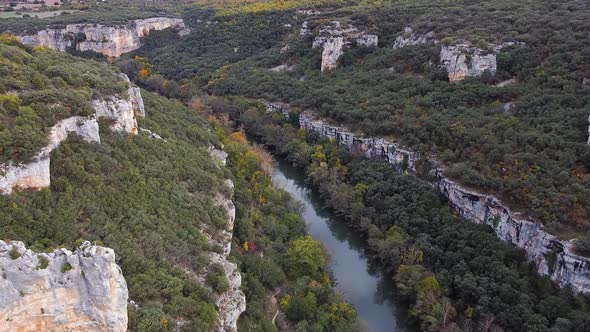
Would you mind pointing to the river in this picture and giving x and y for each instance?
(361, 284)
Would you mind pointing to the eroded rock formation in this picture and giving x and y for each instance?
(82, 290)
(410, 38)
(552, 256)
(232, 302)
(35, 174)
(122, 111)
(334, 37)
(463, 61)
(111, 41)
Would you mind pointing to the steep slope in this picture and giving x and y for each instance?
(123, 192)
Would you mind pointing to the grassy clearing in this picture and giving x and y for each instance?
(46, 14)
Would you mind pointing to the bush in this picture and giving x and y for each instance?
(67, 267)
(217, 279)
(43, 263)
(14, 254)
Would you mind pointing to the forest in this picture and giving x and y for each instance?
(454, 274)
(150, 200)
(525, 142)
(53, 90)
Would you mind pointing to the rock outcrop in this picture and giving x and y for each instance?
(82, 290)
(334, 37)
(552, 256)
(373, 148)
(463, 61)
(122, 111)
(36, 173)
(108, 40)
(231, 303)
(410, 38)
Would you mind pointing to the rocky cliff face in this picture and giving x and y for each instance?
(82, 290)
(463, 61)
(36, 174)
(551, 256)
(410, 38)
(373, 148)
(122, 111)
(233, 302)
(334, 37)
(110, 41)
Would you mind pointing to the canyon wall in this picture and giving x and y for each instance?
(35, 174)
(334, 37)
(109, 40)
(552, 256)
(231, 303)
(82, 290)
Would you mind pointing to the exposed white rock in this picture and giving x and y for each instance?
(409, 38)
(305, 30)
(151, 134)
(463, 61)
(218, 155)
(308, 12)
(373, 148)
(282, 68)
(334, 37)
(276, 107)
(91, 296)
(232, 302)
(35, 174)
(108, 40)
(540, 246)
(569, 268)
(507, 82)
(121, 111)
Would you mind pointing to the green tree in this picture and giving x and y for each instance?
(305, 257)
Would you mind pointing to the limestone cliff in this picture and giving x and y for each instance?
(231, 303)
(552, 256)
(334, 37)
(122, 111)
(111, 41)
(410, 38)
(82, 290)
(463, 61)
(36, 173)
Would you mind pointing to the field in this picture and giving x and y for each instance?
(46, 14)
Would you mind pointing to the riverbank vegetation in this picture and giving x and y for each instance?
(454, 273)
(278, 263)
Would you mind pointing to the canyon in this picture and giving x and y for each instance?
(83, 290)
(112, 41)
(552, 256)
